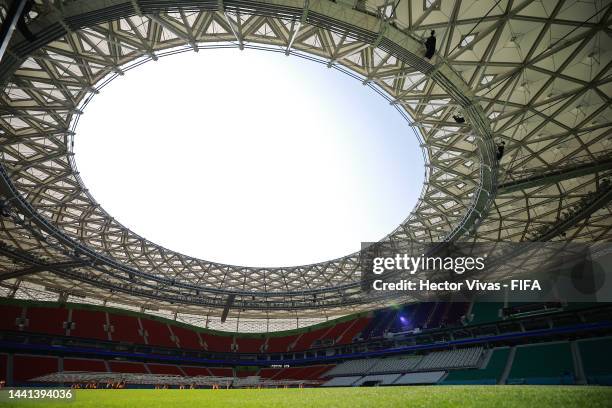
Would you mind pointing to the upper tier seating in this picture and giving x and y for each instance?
(379, 324)
(486, 312)
(306, 340)
(112, 325)
(220, 344)
(8, 317)
(158, 333)
(332, 334)
(187, 339)
(249, 344)
(280, 344)
(454, 313)
(423, 311)
(125, 328)
(89, 324)
(403, 319)
(47, 320)
(437, 314)
(356, 327)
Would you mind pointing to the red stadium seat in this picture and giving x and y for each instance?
(158, 333)
(28, 367)
(3, 367)
(194, 371)
(218, 343)
(332, 334)
(304, 342)
(47, 320)
(88, 324)
(164, 369)
(221, 371)
(249, 345)
(357, 327)
(8, 317)
(125, 329)
(188, 339)
(269, 373)
(245, 373)
(280, 344)
(126, 367)
(300, 373)
(81, 364)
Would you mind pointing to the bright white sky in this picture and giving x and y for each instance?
(249, 158)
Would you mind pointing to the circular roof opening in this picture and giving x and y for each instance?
(249, 158)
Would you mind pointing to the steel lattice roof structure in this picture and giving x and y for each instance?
(535, 74)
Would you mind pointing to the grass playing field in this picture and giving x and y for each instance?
(443, 396)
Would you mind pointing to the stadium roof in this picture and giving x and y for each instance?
(535, 74)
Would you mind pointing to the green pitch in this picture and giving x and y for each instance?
(435, 396)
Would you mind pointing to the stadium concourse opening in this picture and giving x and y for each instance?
(239, 159)
(502, 106)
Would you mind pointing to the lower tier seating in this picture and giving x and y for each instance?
(542, 364)
(597, 360)
(341, 381)
(296, 373)
(490, 374)
(428, 377)
(393, 365)
(82, 364)
(461, 358)
(352, 367)
(164, 369)
(26, 367)
(126, 367)
(194, 371)
(431, 377)
(380, 379)
(3, 367)
(448, 359)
